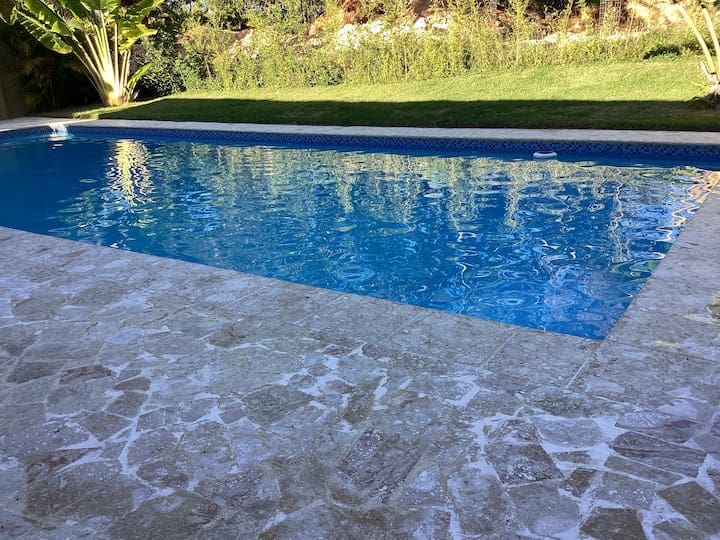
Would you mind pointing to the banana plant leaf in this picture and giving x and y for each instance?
(141, 9)
(76, 7)
(42, 12)
(135, 78)
(42, 33)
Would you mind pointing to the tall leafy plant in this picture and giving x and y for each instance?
(100, 33)
(711, 63)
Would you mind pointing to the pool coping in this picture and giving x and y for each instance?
(590, 135)
(669, 323)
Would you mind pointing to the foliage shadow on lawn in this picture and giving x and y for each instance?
(693, 115)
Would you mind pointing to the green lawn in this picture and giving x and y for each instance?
(651, 94)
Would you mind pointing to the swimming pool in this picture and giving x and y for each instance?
(472, 229)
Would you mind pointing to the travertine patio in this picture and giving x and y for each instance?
(149, 398)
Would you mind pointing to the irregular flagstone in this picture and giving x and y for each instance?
(425, 487)
(32, 391)
(254, 491)
(141, 384)
(374, 467)
(157, 418)
(574, 433)
(230, 335)
(166, 472)
(579, 481)
(661, 454)
(27, 371)
(90, 395)
(708, 443)
(103, 425)
(714, 475)
(128, 404)
(16, 338)
(515, 431)
(635, 468)
(15, 526)
(544, 510)
(674, 529)
(41, 305)
(659, 425)
(519, 464)
(614, 524)
(423, 523)
(12, 483)
(85, 373)
(624, 491)
(577, 456)
(698, 506)
(98, 293)
(486, 403)
(301, 479)
(81, 492)
(18, 416)
(483, 508)
(41, 437)
(208, 449)
(177, 516)
(692, 409)
(326, 521)
(272, 403)
(412, 413)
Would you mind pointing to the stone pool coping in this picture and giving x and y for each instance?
(280, 408)
(590, 135)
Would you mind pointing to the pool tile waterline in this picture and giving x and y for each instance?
(204, 418)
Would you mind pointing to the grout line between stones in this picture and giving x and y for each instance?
(591, 356)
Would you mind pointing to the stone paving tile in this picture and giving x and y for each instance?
(697, 505)
(648, 377)
(436, 335)
(614, 524)
(693, 332)
(561, 358)
(364, 318)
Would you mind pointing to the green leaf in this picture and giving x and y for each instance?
(42, 12)
(43, 34)
(109, 6)
(91, 5)
(135, 78)
(129, 34)
(142, 9)
(76, 7)
(106, 6)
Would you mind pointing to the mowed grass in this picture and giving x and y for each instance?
(649, 94)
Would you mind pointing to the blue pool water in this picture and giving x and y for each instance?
(560, 246)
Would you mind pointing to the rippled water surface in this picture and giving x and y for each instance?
(550, 245)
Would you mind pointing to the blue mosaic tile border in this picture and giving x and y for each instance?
(684, 152)
(25, 132)
(681, 151)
